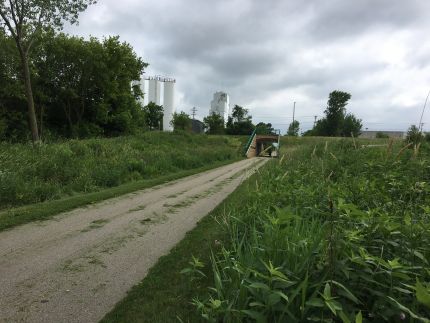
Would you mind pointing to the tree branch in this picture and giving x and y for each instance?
(12, 10)
(33, 36)
(9, 26)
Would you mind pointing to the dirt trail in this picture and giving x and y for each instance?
(75, 267)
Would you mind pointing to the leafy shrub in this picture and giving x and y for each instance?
(381, 135)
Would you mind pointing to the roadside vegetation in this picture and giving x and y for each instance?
(32, 174)
(334, 232)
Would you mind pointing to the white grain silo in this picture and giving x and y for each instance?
(154, 90)
(221, 105)
(169, 103)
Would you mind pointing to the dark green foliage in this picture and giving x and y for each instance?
(240, 123)
(335, 112)
(294, 128)
(13, 108)
(264, 129)
(24, 22)
(52, 171)
(81, 88)
(332, 234)
(414, 135)
(154, 116)
(181, 121)
(336, 122)
(381, 135)
(351, 126)
(214, 124)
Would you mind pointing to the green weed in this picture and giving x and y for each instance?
(333, 232)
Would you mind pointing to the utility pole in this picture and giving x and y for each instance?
(315, 121)
(294, 111)
(194, 110)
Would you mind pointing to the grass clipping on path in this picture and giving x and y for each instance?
(165, 294)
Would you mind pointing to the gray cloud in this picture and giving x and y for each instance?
(267, 54)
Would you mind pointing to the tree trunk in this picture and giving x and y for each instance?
(30, 101)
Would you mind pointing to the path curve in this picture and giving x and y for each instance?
(78, 265)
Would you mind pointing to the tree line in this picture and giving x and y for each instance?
(81, 88)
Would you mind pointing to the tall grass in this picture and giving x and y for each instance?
(334, 233)
(50, 171)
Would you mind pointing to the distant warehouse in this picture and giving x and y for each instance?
(370, 134)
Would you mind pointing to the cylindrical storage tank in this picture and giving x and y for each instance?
(169, 101)
(154, 91)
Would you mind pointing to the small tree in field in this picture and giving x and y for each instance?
(214, 124)
(25, 20)
(414, 135)
(293, 128)
(181, 121)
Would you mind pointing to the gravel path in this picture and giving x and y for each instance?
(77, 266)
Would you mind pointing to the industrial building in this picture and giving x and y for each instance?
(156, 86)
(371, 134)
(220, 105)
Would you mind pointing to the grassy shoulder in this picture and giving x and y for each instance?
(52, 171)
(165, 295)
(43, 211)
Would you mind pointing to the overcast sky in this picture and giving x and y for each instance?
(268, 54)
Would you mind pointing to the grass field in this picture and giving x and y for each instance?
(332, 232)
(38, 182)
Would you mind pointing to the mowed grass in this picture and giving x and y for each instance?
(165, 295)
(38, 182)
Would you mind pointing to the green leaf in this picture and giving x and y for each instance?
(185, 271)
(359, 318)
(259, 286)
(331, 305)
(420, 255)
(315, 302)
(344, 318)
(423, 294)
(281, 294)
(347, 294)
(327, 291)
(254, 304)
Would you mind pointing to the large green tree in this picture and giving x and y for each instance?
(335, 112)
(82, 88)
(240, 122)
(84, 85)
(154, 116)
(214, 124)
(25, 20)
(336, 121)
(264, 128)
(13, 121)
